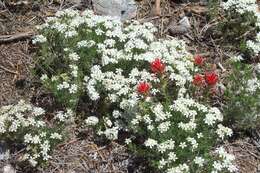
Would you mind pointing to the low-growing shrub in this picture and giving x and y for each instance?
(242, 94)
(239, 25)
(175, 132)
(71, 43)
(24, 124)
(146, 88)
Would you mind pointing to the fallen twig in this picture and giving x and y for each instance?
(157, 10)
(68, 143)
(15, 37)
(7, 70)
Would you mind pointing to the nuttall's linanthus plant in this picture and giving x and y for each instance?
(23, 124)
(72, 42)
(146, 86)
(249, 13)
(179, 132)
(242, 94)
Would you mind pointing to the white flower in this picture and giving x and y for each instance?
(172, 156)
(150, 143)
(162, 163)
(199, 135)
(63, 85)
(193, 142)
(70, 34)
(56, 136)
(224, 131)
(116, 114)
(253, 85)
(91, 121)
(213, 116)
(74, 57)
(254, 46)
(181, 168)
(159, 113)
(36, 139)
(236, 58)
(217, 166)
(44, 77)
(86, 43)
(108, 122)
(73, 89)
(38, 111)
(199, 161)
(163, 127)
(27, 138)
(111, 133)
(183, 145)
(128, 141)
(39, 39)
(241, 6)
(64, 116)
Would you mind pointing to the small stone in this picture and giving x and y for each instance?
(123, 9)
(182, 27)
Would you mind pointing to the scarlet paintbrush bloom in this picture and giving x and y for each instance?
(143, 88)
(199, 60)
(211, 78)
(198, 80)
(157, 66)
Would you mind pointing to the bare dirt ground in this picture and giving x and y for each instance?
(84, 155)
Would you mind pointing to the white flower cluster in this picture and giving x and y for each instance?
(242, 7)
(14, 117)
(121, 89)
(117, 59)
(237, 58)
(226, 162)
(64, 116)
(91, 121)
(189, 110)
(101, 33)
(39, 39)
(253, 85)
(25, 120)
(255, 45)
(224, 131)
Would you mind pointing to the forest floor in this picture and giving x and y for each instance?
(77, 155)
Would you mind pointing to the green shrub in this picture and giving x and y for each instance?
(239, 26)
(242, 94)
(24, 124)
(144, 88)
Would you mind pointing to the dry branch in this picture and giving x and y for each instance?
(7, 70)
(157, 10)
(15, 37)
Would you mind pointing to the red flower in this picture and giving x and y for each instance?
(157, 66)
(198, 80)
(143, 87)
(199, 60)
(211, 78)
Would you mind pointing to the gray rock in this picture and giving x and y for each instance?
(123, 9)
(182, 27)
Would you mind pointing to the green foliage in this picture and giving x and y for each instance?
(242, 94)
(143, 87)
(213, 9)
